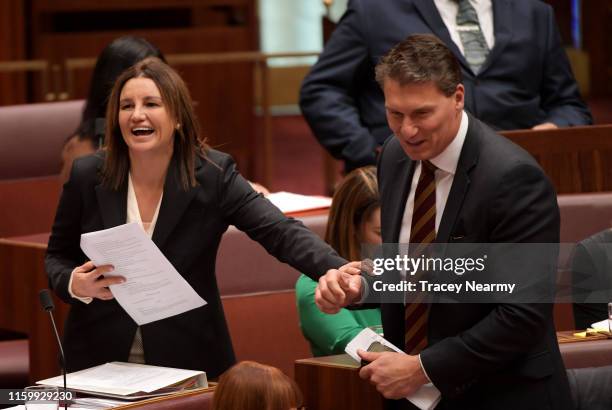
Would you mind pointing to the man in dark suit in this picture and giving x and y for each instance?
(524, 81)
(482, 189)
(592, 279)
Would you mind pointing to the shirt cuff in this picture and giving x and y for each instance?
(423, 368)
(364, 292)
(86, 300)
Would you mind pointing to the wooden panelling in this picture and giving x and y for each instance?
(12, 47)
(58, 30)
(577, 159)
(23, 275)
(332, 382)
(28, 205)
(597, 32)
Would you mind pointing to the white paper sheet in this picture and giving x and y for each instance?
(289, 202)
(603, 325)
(426, 398)
(123, 378)
(154, 290)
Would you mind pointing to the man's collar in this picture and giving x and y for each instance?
(447, 160)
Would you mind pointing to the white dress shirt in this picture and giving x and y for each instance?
(446, 162)
(484, 9)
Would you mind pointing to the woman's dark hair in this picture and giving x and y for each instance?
(188, 141)
(116, 57)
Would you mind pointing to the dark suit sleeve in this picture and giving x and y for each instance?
(559, 92)
(284, 238)
(524, 209)
(329, 92)
(63, 251)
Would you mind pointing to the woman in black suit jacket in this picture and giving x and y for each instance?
(157, 171)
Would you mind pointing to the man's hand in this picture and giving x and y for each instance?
(395, 375)
(89, 281)
(339, 288)
(545, 126)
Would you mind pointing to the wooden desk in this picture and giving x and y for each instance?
(332, 382)
(22, 275)
(590, 353)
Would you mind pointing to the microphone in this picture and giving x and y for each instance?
(46, 301)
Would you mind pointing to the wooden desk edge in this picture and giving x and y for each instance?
(140, 403)
(36, 245)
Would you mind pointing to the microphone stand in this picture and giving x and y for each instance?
(48, 305)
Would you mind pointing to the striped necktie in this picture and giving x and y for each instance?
(422, 232)
(475, 48)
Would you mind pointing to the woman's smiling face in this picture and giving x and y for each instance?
(145, 123)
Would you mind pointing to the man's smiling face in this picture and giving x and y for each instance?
(423, 119)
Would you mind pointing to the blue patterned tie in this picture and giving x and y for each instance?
(475, 47)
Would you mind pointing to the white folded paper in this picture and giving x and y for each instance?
(289, 202)
(426, 398)
(603, 325)
(153, 290)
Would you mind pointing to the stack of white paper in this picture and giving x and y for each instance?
(118, 379)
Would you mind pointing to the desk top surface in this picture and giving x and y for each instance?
(601, 347)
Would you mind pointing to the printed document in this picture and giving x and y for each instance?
(426, 398)
(153, 290)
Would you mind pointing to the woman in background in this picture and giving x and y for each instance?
(116, 57)
(354, 219)
(253, 386)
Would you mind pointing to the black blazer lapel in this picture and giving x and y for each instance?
(428, 11)
(502, 26)
(112, 204)
(174, 203)
(461, 182)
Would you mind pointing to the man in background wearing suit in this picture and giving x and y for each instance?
(515, 71)
(447, 177)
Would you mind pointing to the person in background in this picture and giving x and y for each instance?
(116, 57)
(253, 386)
(515, 71)
(354, 219)
(157, 171)
(592, 279)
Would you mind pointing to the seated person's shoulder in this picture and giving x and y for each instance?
(599, 244)
(305, 289)
(88, 167)
(75, 147)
